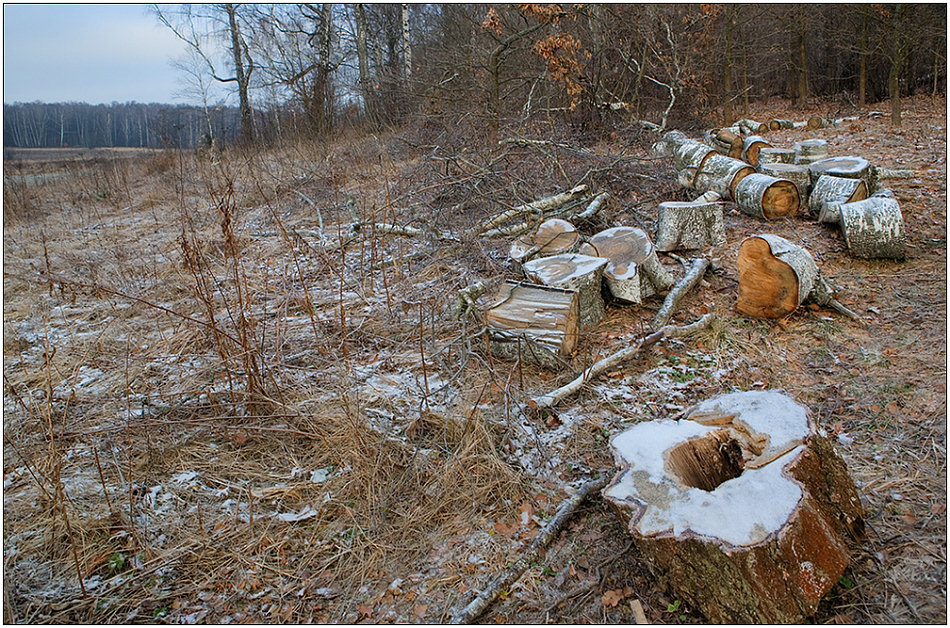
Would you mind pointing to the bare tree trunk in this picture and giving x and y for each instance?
(802, 60)
(863, 57)
(242, 73)
(406, 46)
(897, 60)
(362, 53)
(727, 70)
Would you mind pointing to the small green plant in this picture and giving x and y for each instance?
(117, 561)
(672, 608)
(160, 612)
(845, 581)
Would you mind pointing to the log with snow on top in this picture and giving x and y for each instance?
(796, 173)
(634, 272)
(552, 237)
(740, 509)
(845, 167)
(810, 151)
(573, 271)
(766, 197)
(829, 192)
(536, 324)
(777, 276)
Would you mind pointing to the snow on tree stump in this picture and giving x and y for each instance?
(844, 167)
(810, 151)
(795, 173)
(684, 226)
(741, 509)
(874, 228)
(536, 324)
(766, 197)
(829, 192)
(633, 272)
(751, 147)
(772, 155)
(573, 271)
(552, 237)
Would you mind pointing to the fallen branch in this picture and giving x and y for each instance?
(503, 582)
(593, 207)
(696, 271)
(535, 207)
(612, 361)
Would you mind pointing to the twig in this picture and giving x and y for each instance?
(564, 512)
(598, 368)
(593, 207)
(696, 271)
(314, 205)
(536, 207)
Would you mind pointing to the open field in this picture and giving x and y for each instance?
(221, 404)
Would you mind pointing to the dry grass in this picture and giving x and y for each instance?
(220, 404)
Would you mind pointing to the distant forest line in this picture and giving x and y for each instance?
(136, 125)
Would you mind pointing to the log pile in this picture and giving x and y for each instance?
(740, 509)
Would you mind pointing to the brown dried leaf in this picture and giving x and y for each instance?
(419, 611)
(615, 596)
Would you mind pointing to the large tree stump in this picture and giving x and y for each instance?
(810, 151)
(552, 237)
(874, 228)
(772, 155)
(740, 509)
(844, 167)
(796, 173)
(634, 272)
(684, 226)
(829, 192)
(766, 197)
(751, 147)
(573, 271)
(533, 323)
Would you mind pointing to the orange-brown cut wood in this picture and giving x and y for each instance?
(768, 287)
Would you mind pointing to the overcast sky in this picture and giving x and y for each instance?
(95, 53)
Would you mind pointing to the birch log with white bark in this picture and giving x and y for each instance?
(766, 197)
(829, 192)
(685, 226)
(537, 208)
(773, 155)
(634, 272)
(751, 147)
(796, 173)
(533, 323)
(874, 228)
(810, 151)
(844, 167)
(573, 271)
(693, 276)
(716, 173)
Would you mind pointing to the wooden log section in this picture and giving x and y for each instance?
(573, 271)
(751, 147)
(552, 237)
(772, 155)
(691, 154)
(686, 226)
(766, 197)
(634, 272)
(775, 125)
(810, 151)
(535, 323)
(795, 173)
(874, 228)
(830, 192)
(717, 173)
(845, 167)
(775, 276)
(732, 140)
(741, 509)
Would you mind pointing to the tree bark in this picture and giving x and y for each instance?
(684, 226)
(829, 192)
(242, 73)
(751, 147)
(552, 237)
(367, 87)
(692, 277)
(809, 151)
(772, 155)
(795, 173)
(874, 228)
(766, 197)
(845, 167)
(716, 173)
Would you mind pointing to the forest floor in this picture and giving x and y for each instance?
(223, 405)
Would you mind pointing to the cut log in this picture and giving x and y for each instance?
(573, 271)
(795, 173)
(775, 125)
(829, 192)
(751, 126)
(876, 175)
(751, 147)
(717, 173)
(552, 237)
(666, 146)
(772, 155)
(732, 140)
(766, 197)
(634, 272)
(874, 228)
(537, 208)
(844, 167)
(685, 226)
(810, 151)
(741, 509)
(691, 154)
(536, 323)
(817, 122)
(777, 276)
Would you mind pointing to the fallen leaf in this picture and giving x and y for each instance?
(419, 611)
(615, 596)
(505, 529)
(364, 610)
